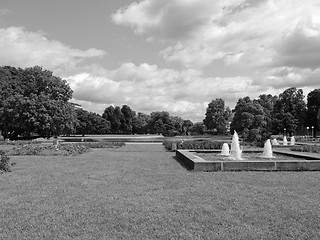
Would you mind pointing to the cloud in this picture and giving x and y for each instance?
(22, 48)
(282, 77)
(301, 47)
(4, 11)
(165, 19)
(275, 43)
(148, 88)
(253, 34)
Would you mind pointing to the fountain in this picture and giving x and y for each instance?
(285, 142)
(250, 159)
(274, 141)
(267, 150)
(235, 152)
(225, 150)
(292, 141)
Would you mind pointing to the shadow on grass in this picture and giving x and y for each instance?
(188, 168)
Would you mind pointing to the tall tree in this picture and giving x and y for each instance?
(127, 120)
(118, 119)
(32, 100)
(267, 101)
(313, 106)
(216, 116)
(140, 123)
(187, 127)
(163, 123)
(108, 114)
(91, 123)
(289, 111)
(250, 120)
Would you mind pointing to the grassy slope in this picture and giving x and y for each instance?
(128, 194)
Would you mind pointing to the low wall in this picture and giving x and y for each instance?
(196, 163)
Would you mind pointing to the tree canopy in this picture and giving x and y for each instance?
(91, 123)
(250, 120)
(33, 101)
(216, 116)
(313, 109)
(289, 111)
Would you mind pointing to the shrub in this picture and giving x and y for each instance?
(193, 144)
(307, 148)
(105, 144)
(63, 149)
(74, 149)
(19, 142)
(4, 162)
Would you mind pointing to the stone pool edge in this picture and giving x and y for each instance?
(196, 163)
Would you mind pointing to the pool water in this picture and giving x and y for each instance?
(246, 157)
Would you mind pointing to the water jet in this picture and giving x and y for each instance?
(285, 141)
(267, 150)
(225, 150)
(235, 152)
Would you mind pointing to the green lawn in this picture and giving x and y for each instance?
(142, 192)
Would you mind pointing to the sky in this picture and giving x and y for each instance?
(166, 55)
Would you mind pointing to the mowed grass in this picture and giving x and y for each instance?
(142, 192)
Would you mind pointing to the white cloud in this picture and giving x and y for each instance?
(301, 47)
(22, 48)
(166, 19)
(148, 88)
(276, 43)
(4, 11)
(255, 34)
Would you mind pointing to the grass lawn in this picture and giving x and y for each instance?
(142, 192)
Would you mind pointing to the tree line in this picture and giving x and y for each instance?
(257, 119)
(34, 102)
(124, 120)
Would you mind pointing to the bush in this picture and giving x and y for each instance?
(19, 142)
(4, 162)
(63, 149)
(105, 144)
(40, 149)
(193, 144)
(307, 148)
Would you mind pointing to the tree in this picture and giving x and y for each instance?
(198, 128)
(118, 119)
(187, 127)
(163, 123)
(267, 101)
(289, 111)
(108, 114)
(217, 116)
(91, 123)
(160, 123)
(140, 123)
(313, 106)
(33, 101)
(127, 120)
(250, 120)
